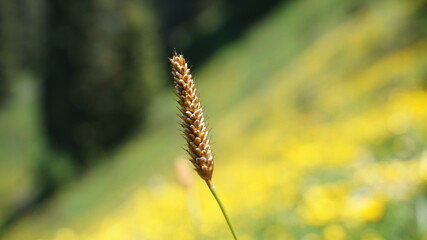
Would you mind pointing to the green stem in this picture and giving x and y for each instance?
(221, 206)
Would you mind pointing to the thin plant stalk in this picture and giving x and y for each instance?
(194, 128)
(221, 206)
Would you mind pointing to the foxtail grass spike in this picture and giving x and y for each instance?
(193, 121)
(194, 127)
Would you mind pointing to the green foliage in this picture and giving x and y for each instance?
(96, 87)
(318, 119)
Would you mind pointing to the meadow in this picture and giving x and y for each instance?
(318, 121)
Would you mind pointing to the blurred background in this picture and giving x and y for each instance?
(317, 111)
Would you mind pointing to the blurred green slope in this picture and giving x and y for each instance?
(311, 72)
(19, 143)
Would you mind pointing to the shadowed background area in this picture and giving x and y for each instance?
(317, 112)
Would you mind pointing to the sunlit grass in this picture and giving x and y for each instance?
(323, 143)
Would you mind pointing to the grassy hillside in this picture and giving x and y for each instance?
(318, 120)
(19, 144)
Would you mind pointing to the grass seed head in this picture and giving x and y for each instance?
(193, 121)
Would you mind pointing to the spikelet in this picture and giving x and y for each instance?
(193, 121)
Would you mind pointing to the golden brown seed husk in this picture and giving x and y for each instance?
(193, 121)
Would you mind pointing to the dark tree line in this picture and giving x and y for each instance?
(93, 94)
(199, 28)
(100, 71)
(20, 42)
